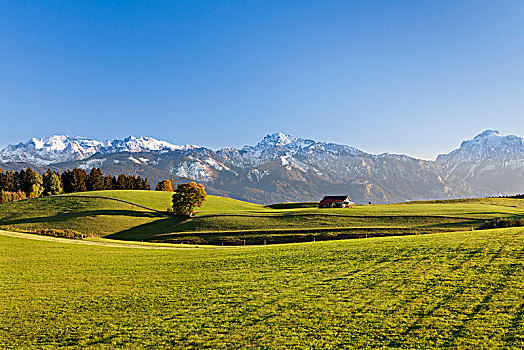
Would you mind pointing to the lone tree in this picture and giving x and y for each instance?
(188, 196)
(164, 185)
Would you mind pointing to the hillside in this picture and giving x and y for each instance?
(451, 290)
(231, 222)
(160, 200)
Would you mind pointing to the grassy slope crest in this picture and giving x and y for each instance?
(138, 215)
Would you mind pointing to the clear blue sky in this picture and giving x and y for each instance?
(413, 77)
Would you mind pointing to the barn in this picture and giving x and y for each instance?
(336, 202)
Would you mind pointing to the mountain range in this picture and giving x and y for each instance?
(286, 168)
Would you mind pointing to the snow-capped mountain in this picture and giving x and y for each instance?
(282, 167)
(490, 160)
(282, 148)
(142, 144)
(302, 169)
(49, 150)
(65, 148)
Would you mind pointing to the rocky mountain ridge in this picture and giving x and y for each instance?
(62, 148)
(286, 168)
(489, 160)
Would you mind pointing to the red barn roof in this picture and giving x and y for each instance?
(327, 200)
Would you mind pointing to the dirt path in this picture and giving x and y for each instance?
(103, 243)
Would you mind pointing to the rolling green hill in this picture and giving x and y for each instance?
(449, 290)
(140, 215)
(160, 200)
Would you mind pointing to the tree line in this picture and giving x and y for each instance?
(16, 185)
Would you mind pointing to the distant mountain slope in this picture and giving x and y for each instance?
(279, 168)
(489, 160)
(63, 148)
(49, 150)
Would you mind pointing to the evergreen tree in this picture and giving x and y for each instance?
(109, 182)
(121, 182)
(79, 180)
(67, 181)
(95, 180)
(20, 182)
(7, 181)
(52, 183)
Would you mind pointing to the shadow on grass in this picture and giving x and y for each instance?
(64, 216)
(465, 224)
(149, 230)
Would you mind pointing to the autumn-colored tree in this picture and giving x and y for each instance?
(34, 184)
(6, 196)
(188, 196)
(164, 185)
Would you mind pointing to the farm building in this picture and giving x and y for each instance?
(336, 202)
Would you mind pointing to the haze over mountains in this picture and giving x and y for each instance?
(286, 168)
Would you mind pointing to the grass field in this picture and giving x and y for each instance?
(455, 290)
(160, 200)
(231, 222)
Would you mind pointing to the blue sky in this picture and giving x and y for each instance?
(414, 77)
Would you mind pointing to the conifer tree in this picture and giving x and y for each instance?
(67, 181)
(95, 180)
(121, 182)
(109, 182)
(52, 183)
(79, 180)
(7, 181)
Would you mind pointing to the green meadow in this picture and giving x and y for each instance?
(453, 290)
(420, 276)
(141, 216)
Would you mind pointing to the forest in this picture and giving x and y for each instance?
(16, 185)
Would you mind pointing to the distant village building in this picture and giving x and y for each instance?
(336, 202)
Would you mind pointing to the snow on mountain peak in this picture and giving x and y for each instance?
(278, 140)
(488, 133)
(63, 148)
(52, 149)
(488, 146)
(143, 144)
